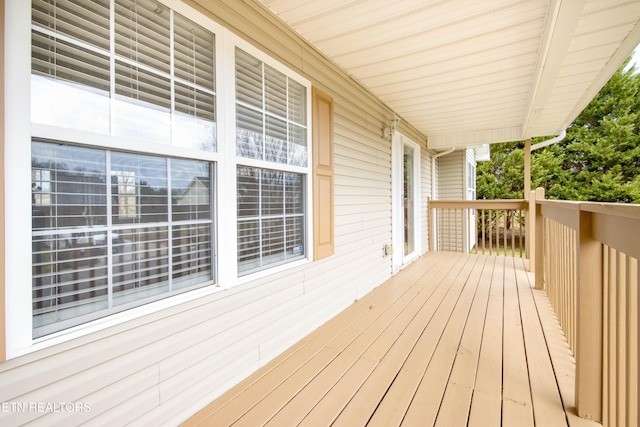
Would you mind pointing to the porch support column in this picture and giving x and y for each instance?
(589, 368)
(533, 239)
(527, 168)
(537, 245)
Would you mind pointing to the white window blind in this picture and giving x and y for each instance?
(271, 218)
(119, 230)
(271, 127)
(270, 113)
(163, 69)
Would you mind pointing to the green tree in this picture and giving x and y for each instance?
(502, 177)
(599, 159)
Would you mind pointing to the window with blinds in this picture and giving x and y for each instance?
(271, 219)
(270, 113)
(142, 71)
(115, 230)
(271, 128)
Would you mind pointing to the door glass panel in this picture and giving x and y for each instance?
(408, 196)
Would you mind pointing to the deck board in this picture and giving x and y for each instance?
(456, 402)
(516, 395)
(487, 396)
(451, 340)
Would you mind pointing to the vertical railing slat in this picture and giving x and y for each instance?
(621, 314)
(632, 343)
(490, 231)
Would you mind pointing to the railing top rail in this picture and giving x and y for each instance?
(564, 204)
(616, 209)
(564, 212)
(567, 212)
(480, 204)
(616, 225)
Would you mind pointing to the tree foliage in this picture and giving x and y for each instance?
(599, 159)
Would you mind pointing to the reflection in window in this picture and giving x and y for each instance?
(126, 186)
(40, 187)
(271, 218)
(84, 266)
(147, 183)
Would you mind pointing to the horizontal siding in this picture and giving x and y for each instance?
(451, 177)
(162, 367)
(452, 186)
(426, 188)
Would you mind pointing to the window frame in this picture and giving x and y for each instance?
(20, 132)
(470, 176)
(81, 243)
(263, 164)
(230, 277)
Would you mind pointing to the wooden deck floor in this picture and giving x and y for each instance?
(451, 340)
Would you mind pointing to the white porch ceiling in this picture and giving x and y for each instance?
(470, 72)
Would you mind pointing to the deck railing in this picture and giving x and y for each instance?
(586, 259)
(494, 227)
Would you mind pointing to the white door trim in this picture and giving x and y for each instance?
(397, 190)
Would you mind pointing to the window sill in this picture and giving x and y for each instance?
(104, 323)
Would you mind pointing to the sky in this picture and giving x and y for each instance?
(636, 59)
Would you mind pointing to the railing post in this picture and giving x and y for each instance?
(530, 239)
(537, 247)
(527, 167)
(589, 368)
(431, 224)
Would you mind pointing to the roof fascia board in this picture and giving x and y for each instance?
(560, 27)
(620, 55)
(472, 139)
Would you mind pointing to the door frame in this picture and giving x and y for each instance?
(398, 143)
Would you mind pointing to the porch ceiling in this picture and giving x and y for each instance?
(468, 72)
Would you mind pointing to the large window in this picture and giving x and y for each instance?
(127, 155)
(111, 229)
(118, 230)
(271, 131)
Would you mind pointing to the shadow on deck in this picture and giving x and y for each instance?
(451, 340)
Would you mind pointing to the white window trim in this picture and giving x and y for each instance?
(397, 158)
(470, 190)
(19, 133)
(17, 157)
(228, 233)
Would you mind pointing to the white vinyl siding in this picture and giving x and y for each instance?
(162, 366)
(425, 186)
(452, 187)
(452, 176)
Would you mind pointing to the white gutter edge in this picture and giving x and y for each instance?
(550, 141)
(433, 170)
